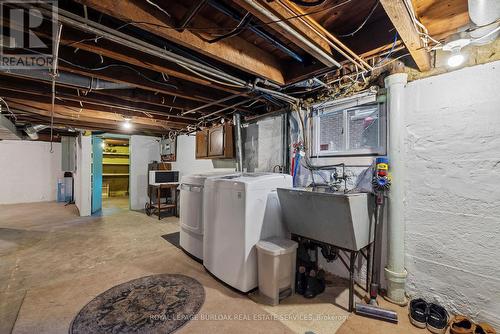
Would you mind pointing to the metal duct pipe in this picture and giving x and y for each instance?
(239, 143)
(325, 57)
(70, 79)
(483, 13)
(32, 131)
(259, 31)
(395, 271)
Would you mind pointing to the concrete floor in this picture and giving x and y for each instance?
(53, 262)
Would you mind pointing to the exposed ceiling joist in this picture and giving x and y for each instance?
(90, 115)
(235, 52)
(442, 17)
(400, 18)
(293, 29)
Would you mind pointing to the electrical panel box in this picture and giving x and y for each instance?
(168, 149)
(68, 154)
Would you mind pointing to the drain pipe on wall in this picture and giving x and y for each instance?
(238, 139)
(395, 272)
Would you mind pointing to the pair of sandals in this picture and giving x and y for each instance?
(432, 316)
(463, 325)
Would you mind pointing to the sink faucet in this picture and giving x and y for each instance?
(336, 180)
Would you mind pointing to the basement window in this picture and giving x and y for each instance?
(359, 130)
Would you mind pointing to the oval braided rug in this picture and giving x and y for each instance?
(151, 304)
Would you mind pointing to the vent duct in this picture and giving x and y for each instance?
(8, 130)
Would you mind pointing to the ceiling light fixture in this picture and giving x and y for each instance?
(127, 125)
(455, 47)
(456, 59)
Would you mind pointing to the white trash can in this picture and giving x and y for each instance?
(276, 268)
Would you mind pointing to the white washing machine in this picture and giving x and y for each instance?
(236, 211)
(191, 212)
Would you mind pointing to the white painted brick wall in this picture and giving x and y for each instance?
(453, 190)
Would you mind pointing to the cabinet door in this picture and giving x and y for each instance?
(216, 141)
(228, 141)
(202, 144)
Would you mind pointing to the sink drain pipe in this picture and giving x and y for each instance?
(395, 272)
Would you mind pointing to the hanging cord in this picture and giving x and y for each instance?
(54, 75)
(363, 23)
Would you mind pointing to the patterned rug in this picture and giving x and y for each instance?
(151, 304)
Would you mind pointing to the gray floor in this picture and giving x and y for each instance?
(52, 263)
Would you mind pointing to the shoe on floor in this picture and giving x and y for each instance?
(484, 328)
(437, 319)
(301, 281)
(315, 285)
(462, 325)
(418, 311)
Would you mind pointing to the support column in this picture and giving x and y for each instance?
(395, 271)
(238, 142)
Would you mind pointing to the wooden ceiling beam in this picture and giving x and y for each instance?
(400, 18)
(235, 52)
(74, 103)
(34, 117)
(88, 114)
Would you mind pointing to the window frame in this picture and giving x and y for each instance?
(316, 130)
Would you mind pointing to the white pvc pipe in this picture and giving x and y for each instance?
(395, 271)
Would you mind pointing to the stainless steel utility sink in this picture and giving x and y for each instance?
(342, 220)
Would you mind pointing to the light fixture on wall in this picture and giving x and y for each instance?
(127, 125)
(103, 145)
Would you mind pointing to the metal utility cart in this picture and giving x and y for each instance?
(156, 205)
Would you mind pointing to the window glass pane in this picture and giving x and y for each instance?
(363, 128)
(331, 136)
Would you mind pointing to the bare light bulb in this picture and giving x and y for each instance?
(126, 124)
(456, 58)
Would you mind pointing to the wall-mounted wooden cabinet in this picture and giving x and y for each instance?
(215, 143)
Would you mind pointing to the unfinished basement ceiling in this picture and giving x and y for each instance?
(174, 66)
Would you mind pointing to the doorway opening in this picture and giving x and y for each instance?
(110, 174)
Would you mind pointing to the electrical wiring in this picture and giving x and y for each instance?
(486, 35)
(364, 21)
(419, 26)
(223, 29)
(391, 50)
(55, 74)
(158, 7)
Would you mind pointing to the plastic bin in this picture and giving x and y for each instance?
(276, 269)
